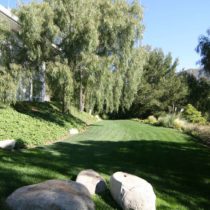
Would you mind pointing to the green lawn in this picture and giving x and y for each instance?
(176, 165)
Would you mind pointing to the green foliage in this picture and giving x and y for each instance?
(9, 73)
(161, 88)
(193, 115)
(164, 157)
(167, 120)
(61, 83)
(9, 83)
(100, 50)
(202, 132)
(103, 59)
(199, 92)
(36, 35)
(179, 123)
(38, 123)
(203, 49)
(172, 121)
(152, 120)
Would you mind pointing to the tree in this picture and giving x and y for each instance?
(60, 82)
(31, 47)
(199, 92)
(161, 88)
(8, 72)
(203, 49)
(106, 38)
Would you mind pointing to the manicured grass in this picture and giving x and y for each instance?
(38, 123)
(175, 164)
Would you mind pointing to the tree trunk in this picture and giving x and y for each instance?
(42, 81)
(31, 89)
(81, 98)
(81, 95)
(63, 101)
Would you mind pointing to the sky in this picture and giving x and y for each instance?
(173, 25)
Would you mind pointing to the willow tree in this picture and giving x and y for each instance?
(105, 33)
(8, 72)
(60, 82)
(32, 44)
(120, 30)
(78, 37)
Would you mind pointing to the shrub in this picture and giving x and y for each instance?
(193, 115)
(179, 123)
(167, 120)
(152, 120)
(171, 121)
(200, 131)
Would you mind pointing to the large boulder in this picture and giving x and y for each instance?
(92, 181)
(132, 192)
(7, 144)
(73, 131)
(51, 195)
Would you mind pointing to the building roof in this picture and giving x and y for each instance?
(12, 20)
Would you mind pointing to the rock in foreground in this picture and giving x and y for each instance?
(51, 195)
(92, 181)
(132, 192)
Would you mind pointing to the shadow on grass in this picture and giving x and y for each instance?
(179, 172)
(48, 112)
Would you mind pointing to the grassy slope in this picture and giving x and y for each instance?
(176, 166)
(37, 123)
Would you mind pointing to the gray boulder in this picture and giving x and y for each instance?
(7, 144)
(132, 192)
(51, 195)
(92, 181)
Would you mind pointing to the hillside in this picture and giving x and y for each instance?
(198, 73)
(34, 124)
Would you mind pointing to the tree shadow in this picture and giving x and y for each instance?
(179, 172)
(47, 111)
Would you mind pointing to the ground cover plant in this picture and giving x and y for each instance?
(33, 124)
(174, 163)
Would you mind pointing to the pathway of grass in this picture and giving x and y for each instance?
(176, 166)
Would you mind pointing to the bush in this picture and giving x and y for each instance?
(167, 120)
(179, 123)
(192, 115)
(171, 121)
(200, 131)
(152, 120)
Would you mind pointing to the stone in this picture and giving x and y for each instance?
(98, 118)
(132, 192)
(7, 144)
(92, 181)
(51, 195)
(73, 131)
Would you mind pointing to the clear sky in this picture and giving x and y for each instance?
(173, 25)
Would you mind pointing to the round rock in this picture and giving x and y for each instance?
(132, 192)
(92, 181)
(51, 195)
(7, 144)
(73, 131)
